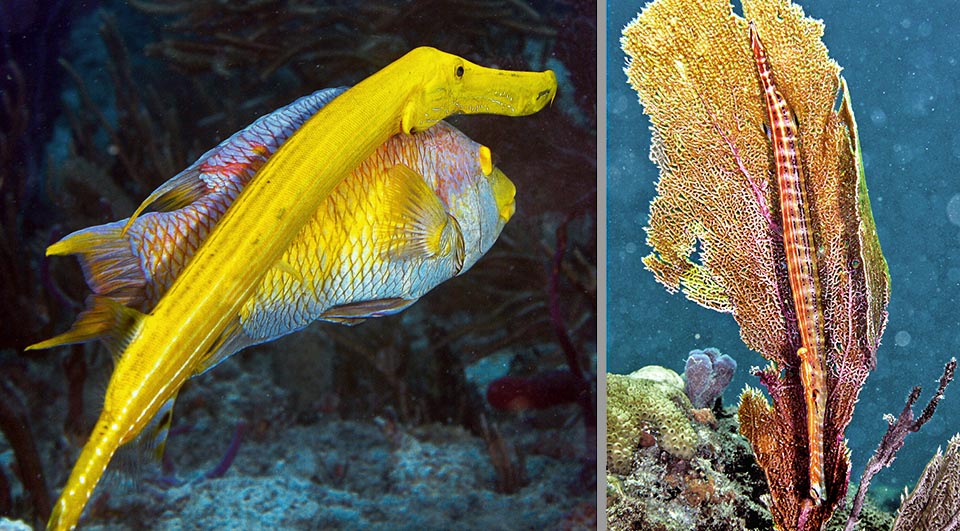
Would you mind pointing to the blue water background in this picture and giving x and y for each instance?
(900, 60)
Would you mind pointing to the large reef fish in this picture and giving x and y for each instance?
(421, 209)
(199, 318)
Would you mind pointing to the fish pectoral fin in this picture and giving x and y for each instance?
(459, 248)
(104, 319)
(181, 190)
(355, 312)
(415, 222)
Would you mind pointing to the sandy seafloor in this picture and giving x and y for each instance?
(299, 466)
(900, 60)
(320, 472)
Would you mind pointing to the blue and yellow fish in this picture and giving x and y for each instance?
(422, 209)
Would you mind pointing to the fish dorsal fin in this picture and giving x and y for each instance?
(232, 163)
(154, 435)
(181, 190)
(356, 312)
(104, 319)
(416, 223)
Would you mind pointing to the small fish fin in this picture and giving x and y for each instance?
(352, 321)
(416, 223)
(231, 340)
(181, 190)
(154, 434)
(109, 265)
(104, 319)
(455, 237)
(356, 312)
(142, 456)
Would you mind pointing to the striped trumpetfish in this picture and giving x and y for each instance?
(800, 252)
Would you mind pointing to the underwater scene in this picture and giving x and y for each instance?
(298, 265)
(756, 290)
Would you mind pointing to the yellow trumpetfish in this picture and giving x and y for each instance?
(161, 350)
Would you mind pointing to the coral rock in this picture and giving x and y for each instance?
(638, 404)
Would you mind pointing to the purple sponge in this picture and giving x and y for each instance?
(707, 374)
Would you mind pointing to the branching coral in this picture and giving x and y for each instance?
(891, 443)
(15, 192)
(15, 426)
(261, 36)
(935, 500)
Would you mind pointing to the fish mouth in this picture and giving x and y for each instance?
(504, 192)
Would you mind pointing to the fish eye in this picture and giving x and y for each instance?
(459, 71)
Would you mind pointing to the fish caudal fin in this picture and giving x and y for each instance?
(114, 275)
(109, 265)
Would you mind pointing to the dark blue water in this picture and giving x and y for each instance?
(900, 61)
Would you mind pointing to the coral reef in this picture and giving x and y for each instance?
(12, 525)
(934, 502)
(15, 426)
(706, 375)
(337, 473)
(819, 319)
(644, 403)
(718, 487)
(715, 489)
